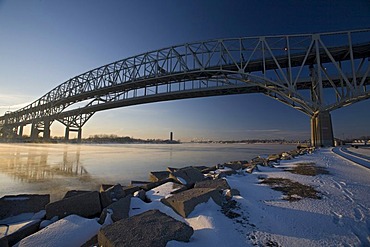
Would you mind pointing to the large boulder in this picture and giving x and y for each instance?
(157, 176)
(104, 187)
(85, 205)
(184, 202)
(13, 229)
(235, 165)
(130, 190)
(220, 184)
(18, 231)
(163, 190)
(188, 176)
(17, 204)
(273, 158)
(259, 161)
(119, 210)
(72, 230)
(4, 242)
(156, 184)
(75, 193)
(111, 195)
(209, 169)
(151, 228)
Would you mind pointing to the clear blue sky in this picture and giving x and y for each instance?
(44, 43)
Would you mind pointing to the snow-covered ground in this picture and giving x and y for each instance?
(340, 218)
(361, 156)
(365, 150)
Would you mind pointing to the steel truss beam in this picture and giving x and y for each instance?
(310, 72)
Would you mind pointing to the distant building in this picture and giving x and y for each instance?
(171, 136)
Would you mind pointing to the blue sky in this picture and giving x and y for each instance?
(44, 43)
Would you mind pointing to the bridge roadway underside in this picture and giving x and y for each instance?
(321, 124)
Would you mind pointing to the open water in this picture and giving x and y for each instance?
(57, 168)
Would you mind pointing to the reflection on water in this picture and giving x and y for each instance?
(56, 168)
(32, 165)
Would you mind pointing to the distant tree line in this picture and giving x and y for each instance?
(103, 138)
(253, 141)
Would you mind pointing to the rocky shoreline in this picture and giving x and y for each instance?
(103, 216)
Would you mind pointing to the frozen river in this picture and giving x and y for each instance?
(57, 168)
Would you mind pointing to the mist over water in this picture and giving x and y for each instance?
(57, 168)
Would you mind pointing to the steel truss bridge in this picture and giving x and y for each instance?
(313, 73)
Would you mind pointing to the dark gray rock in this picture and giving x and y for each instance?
(157, 176)
(4, 242)
(91, 242)
(286, 156)
(209, 169)
(111, 195)
(17, 204)
(250, 167)
(273, 157)
(74, 193)
(172, 169)
(85, 205)
(215, 184)
(294, 153)
(230, 193)
(130, 190)
(225, 172)
(184, 202)
(156, 184)
(25, 231)
(119, 209)
(151, 228)
(236, 165)
(259, 161)
(200, 168)
(188, 176)
(141, 194)
(104, 187)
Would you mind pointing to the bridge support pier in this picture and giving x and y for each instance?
(20, 131)
(34, 132)
(46, 134)
(79, 133)
(322, 130)
(37, 128)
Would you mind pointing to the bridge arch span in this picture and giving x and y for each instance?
(297, 70)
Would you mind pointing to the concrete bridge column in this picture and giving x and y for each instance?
(78, 130)
(66, 136)
(322, 130)
(20, 130)
(46, 135)
(79, 135)
(34, 132)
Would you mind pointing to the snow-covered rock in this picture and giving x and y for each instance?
(12, 205)
(72, 230)
(85, 205)
(152, 228)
